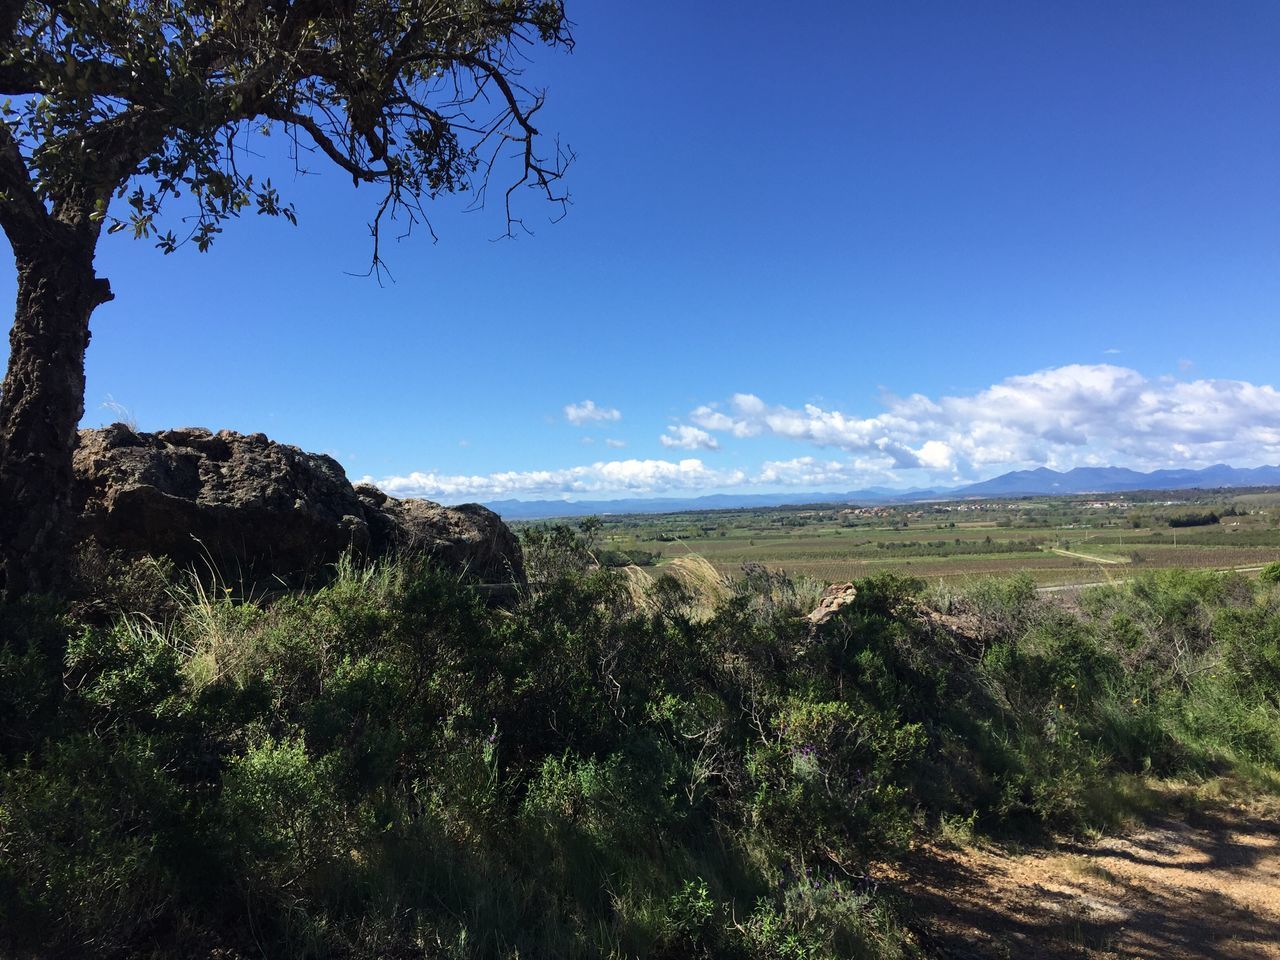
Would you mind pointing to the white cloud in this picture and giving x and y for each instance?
(612, 477)
(615, 443)
(935, 455)
(712, 419)
(630, 477)
(809, 472)
(684, 437)
(587, 412)
(1061, 417)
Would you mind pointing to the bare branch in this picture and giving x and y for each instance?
(325, 143)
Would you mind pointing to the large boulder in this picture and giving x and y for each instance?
(468, 538)
(259, 509)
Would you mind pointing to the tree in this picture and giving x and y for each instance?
(116, 108)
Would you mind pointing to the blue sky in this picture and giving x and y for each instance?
(815, 247)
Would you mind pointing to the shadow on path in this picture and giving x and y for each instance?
(1206, 887)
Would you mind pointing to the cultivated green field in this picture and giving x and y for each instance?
(1057, 540)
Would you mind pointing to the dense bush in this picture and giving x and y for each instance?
(624, 558)
(1270, 573)
(386, 767)
(1194, 520)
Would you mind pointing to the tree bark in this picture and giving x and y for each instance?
(41, 403)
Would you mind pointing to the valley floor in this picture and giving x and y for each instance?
(1200, 886)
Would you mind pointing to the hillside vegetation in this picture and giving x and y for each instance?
(386, 767)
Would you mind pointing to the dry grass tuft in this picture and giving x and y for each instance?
(698, 574)
(1084, 868)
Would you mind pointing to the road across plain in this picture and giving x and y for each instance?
(1064, 587)
(1109, 561)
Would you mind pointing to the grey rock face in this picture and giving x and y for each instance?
(258, 508)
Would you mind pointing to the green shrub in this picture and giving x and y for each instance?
(97, 845)
(384, 766)
(693, 925)
(34, 633)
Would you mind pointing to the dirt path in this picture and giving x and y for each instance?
(1109, 561)
(1204, 886)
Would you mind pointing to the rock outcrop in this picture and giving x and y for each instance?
(467, 537)
(262, 509)
(834, 599)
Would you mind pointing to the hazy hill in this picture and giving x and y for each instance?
(537, 509)
(1013, 484)
(1118, 479)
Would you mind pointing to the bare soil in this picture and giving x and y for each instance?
(1204, 884)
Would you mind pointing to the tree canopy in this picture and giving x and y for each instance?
(149, 101)
(112, 110)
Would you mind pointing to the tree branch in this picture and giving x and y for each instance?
(534, 169)
(508, 92)
(10, 14)
(111, 151)
(326, 144)
(22, 215)
(29, 76)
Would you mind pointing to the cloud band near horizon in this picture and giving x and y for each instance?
(1061, 417)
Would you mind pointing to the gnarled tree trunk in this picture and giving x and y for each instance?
(41, 403)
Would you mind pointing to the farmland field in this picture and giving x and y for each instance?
(1056, 540)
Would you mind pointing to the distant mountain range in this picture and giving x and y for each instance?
(1117, 480)
(1018, 483)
